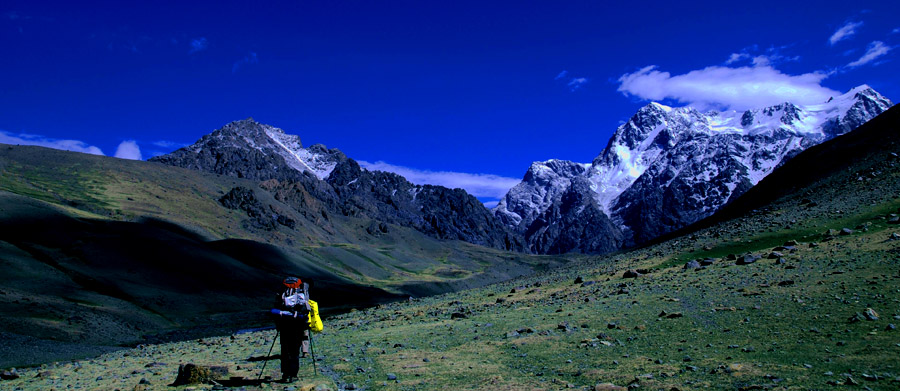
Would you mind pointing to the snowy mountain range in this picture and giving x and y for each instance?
(667, 168)
(662, 170)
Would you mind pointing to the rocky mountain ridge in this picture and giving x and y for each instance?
(667, 168)
(319, 182)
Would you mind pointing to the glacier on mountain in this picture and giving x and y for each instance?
(668, 167)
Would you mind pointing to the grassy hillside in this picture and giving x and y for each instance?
(799, 293)
(125, 250)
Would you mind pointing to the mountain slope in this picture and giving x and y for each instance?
(825, 170)
(768, 299)
(669, 167)
(136, 249)
(331, 183)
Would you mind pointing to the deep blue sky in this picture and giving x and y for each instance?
(467, 87)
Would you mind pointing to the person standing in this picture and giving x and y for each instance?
(295, 317)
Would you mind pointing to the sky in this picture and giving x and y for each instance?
(462, 93)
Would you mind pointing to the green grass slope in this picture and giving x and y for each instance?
(817, 308)
(101, 251)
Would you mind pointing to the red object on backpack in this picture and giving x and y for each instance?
(292, 282)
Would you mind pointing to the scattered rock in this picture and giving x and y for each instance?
(894, 236)
(9, 375)
(579, 280)
(609, 387)
(870, 314)
(692, 265)
(869, 377)
(672, 315)
(192, 374)
(707, 262)
(786, 283)
(890, 327)
(775, 255)
(391, 376)
(155, 364)
(747, 259)
(631, 273)
(458, 315)
(846, 231)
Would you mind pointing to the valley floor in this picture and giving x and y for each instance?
(819, 315)
(802, 294)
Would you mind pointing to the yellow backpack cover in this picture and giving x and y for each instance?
(315, 322)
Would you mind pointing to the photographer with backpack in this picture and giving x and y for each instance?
(295, 316)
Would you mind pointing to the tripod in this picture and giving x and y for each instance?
(268, 355)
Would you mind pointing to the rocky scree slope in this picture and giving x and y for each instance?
(667, 168)
(318, 182)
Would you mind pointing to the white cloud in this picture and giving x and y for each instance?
(735, 57)
(169, 144)
(761, 61)
(724, 87)
(66, 145)
(199, 44)
(577, 82)
(128, 150)
(768, 57)
(844, 32)
(876, 49)
(250, 58)
(478, 185)
(573, 83)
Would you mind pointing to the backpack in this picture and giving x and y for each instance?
(296, 296)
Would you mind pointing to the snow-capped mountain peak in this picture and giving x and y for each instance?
(247, 148)
(667, 167)
(543, 182)
(252, 135)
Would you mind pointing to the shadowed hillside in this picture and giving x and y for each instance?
(102, 252)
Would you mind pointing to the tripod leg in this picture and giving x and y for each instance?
(312, 352)
(268, 355)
